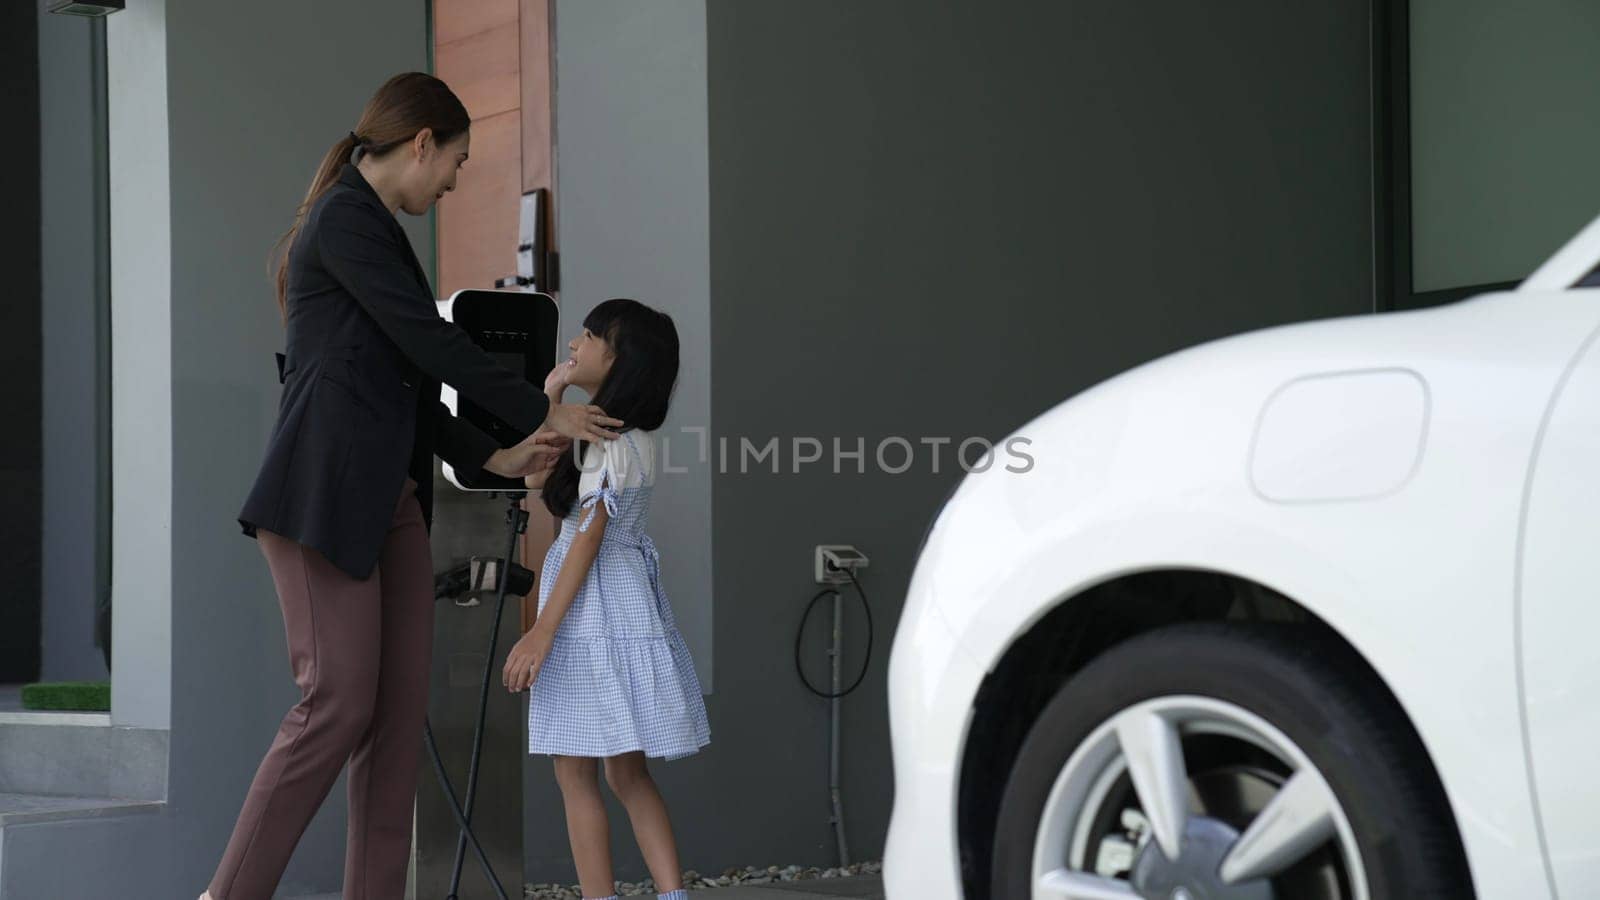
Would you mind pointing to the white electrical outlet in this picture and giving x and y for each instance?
(833, 562)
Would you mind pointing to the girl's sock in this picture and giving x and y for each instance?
(679, 894)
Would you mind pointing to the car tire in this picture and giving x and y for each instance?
(1315, 692)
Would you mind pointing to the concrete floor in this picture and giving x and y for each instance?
(867, 887)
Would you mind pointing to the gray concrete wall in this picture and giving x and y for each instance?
(141, 366)
(951, 215)
(940, 219)
(70, 62)
(1473, 66)
(258, 93)
(632, 221)
(232, 107)
(928, 220)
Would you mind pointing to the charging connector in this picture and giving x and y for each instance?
(480, 575)
(836, 563)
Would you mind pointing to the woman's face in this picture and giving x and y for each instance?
(434, 173)
(590, 361)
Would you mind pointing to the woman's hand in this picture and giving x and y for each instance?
(537, 452)
(535, 482)
(580, 422)
(525, 660)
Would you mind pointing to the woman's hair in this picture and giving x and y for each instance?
(644, 344)
(406, 104)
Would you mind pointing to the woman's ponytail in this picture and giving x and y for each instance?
(406, 104)
(336, 157)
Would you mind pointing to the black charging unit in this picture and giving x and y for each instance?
(519, 329)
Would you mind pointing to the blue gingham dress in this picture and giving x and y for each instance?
(619, 677)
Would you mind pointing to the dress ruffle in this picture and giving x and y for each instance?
(662, 712)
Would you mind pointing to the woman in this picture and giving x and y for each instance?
(342, 504)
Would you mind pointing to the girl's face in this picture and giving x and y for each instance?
(590, 361)
(433, 173)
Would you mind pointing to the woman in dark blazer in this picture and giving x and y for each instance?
(343, 500)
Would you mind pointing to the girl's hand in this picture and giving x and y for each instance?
(580, 422)
(525, 660)
(537, 452)
(556, 381)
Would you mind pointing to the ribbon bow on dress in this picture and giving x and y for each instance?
(639, 540)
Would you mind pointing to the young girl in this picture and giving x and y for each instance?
(609, 674)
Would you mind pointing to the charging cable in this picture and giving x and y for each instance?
(866, 607)
(826, 567)
(509, 577)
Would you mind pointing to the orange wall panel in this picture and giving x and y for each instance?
(478, 220)
(496, 55)
(484, 70)
(457, 19)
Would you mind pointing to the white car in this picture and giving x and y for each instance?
(1307, 613)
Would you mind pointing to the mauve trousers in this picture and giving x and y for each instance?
(360, 651)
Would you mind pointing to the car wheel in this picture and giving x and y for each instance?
(1225, 762)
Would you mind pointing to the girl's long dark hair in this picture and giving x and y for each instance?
(644, 344)
(406, 104)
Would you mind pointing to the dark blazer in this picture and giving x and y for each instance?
(364, 354)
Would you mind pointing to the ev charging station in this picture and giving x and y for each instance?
(476, 738)
(518, 329)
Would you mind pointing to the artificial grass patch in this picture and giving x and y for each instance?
(77, 696)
